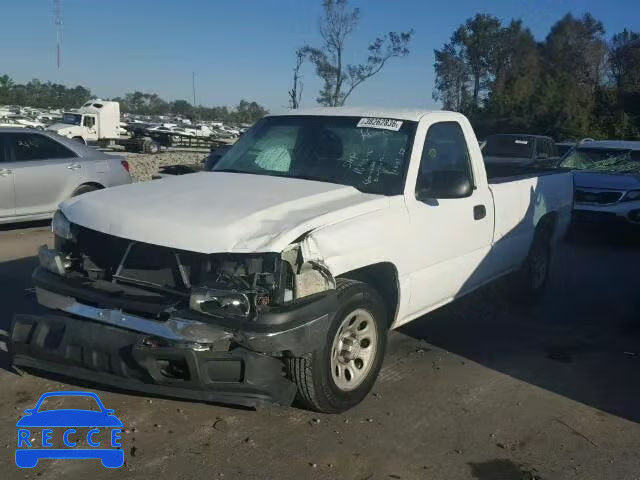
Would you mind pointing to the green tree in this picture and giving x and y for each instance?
(452, 79)
(6, 84)
(573, 55)
(477, 40)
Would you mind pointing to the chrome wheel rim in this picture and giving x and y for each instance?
(354, 349)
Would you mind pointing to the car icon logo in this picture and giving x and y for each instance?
(28, 452)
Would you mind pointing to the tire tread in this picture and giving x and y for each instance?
(301, 368)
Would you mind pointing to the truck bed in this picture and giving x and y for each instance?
(500, 173)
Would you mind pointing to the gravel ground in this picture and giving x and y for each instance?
(143, 165)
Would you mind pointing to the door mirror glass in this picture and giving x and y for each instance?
(444, 184)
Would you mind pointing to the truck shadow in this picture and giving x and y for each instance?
(581, 340)
(16, 296)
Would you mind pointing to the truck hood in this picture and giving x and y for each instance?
(613, 181)
(212, 212)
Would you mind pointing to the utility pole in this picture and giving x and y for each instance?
(58, 24)
(193, 86)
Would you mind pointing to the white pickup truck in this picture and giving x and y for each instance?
(282, 270)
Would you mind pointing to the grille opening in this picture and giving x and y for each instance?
(174, 369)
(603, 198)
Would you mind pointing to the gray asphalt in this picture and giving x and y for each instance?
(482, 389)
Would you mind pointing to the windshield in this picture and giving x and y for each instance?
(603, 160)
(508, 146)
(72, 118)
(326, 149)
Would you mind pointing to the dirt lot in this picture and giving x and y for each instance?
(481, 390)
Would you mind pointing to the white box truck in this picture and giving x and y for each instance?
(98, 122)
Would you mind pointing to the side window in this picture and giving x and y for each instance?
(29, 146)
(445, 162)
(89, 122)
(542, 148)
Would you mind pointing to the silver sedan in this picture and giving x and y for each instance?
(38, 170)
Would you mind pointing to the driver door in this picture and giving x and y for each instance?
(91, 129)
(451, 237)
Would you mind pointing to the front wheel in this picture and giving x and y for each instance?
(340, 374)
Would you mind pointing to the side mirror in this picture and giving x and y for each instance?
(444, 184)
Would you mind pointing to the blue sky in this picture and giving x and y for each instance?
(245, 48)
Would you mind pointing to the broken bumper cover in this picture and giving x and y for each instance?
(73, 347)
(176, 357)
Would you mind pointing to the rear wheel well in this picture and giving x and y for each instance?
(546, 225)
(94, 185)
(384, 278)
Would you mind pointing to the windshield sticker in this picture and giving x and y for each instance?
(522, 142)
(382, 123)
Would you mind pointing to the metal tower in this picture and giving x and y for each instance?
(58, 23)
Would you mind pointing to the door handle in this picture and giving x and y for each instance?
(74, 166)
(5, 172)
(479, 212)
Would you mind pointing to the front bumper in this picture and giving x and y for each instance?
(620, 213)
(89, 351)
(179, 356)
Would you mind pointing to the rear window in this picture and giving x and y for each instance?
(509, 146)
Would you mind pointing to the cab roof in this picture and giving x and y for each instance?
(413, 115)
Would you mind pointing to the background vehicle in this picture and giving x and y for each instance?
(525, 150)
(10, 123)
(98, 122)
(39, 170)
(311, 238)
(564, 147)
(607, 181)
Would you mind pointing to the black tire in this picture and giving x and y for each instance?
(80, 140)
(82, 189)
(532, 278)
(151, 147)
(312, 373)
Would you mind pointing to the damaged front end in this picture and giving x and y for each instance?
(206, 326)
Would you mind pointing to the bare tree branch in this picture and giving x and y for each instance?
(336, 25)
